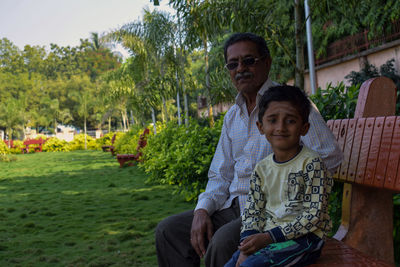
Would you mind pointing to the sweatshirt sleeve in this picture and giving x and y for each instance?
(254, 215)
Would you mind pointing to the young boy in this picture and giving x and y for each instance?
(286, 214)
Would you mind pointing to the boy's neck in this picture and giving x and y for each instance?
(283, 156)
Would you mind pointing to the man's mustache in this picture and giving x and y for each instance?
(243, 75)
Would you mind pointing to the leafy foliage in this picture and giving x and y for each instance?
(126, 143)
(370, 71)
(180, 155)
(336, 102)
(54, 144)
(79, 143)
(3, 148)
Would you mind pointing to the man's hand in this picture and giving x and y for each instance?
(254, 243)
(200, 226)
(242, 258)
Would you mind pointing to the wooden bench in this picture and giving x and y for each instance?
(28, 142)
(371, 174)
(131, 158)
(108, 148)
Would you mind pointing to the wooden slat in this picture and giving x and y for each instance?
(384, 150)
(342, 141)
(347, 150)
(355, 152)
(374, 151)
(371, 150)
(395, 155)
(330, 124)
(364, 150)
(335, 131)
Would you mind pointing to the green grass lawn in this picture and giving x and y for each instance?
(79, 209)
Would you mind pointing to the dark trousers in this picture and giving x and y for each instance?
(173, 239)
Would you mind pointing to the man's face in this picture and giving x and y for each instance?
(247, 79)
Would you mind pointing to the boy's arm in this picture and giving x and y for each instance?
(254, 215)
(220, 175)
(315, 204)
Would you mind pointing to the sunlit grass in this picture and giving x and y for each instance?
(79, 209)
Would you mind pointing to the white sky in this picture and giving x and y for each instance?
(65, 22)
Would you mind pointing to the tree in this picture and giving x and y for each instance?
(11, 116)
(150, 43)
(82, 93)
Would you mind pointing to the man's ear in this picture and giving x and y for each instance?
(259, 126)
(305, 128)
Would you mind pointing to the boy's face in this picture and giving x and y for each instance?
(283, 126)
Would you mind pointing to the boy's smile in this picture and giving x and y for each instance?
(283, 126)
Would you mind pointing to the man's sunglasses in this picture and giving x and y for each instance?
(248, 61)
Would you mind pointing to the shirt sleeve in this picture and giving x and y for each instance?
(321, 139)
(220, 175)
(254, 215)
(315, 205)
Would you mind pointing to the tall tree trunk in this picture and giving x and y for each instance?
(164, 112)
(210, 110)
(109, 124)
(84, 130)
(153, 117)
(182, 67)
(178, 104)
(9, 137)
(128, 126)
(132, 119)
(299, 74)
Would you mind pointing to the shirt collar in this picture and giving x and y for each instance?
(240, 100)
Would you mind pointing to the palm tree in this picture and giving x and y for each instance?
(11, 116)
(149, 42)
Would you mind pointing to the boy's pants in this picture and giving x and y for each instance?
(297, 252)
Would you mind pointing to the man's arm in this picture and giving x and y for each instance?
(220, 177)
(320, 139)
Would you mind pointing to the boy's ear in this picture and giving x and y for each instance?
(305, 128)
(259, 126)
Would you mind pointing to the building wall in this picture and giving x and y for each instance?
(335, 71)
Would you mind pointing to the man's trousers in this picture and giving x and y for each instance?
(173, 239)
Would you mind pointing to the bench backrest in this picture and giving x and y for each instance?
(113, 139)
(371, 149)
(371, 146)
(34, 141)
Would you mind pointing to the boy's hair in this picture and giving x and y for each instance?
(289, 93)
(247, 36)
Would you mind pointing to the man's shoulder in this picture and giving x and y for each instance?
(232, 112)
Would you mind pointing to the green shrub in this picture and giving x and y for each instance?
(18, 145)
(79, 143)
(126, 143)
(336, 102)
(54, 144)
(3, 148)
(181, 155)
(105, 140)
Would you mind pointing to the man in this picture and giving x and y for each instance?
(212, 230)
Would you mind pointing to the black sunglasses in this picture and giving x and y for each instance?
(248, 61)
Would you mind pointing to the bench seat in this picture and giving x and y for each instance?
(337, 253)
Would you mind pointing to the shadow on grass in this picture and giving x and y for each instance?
(79, 209)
